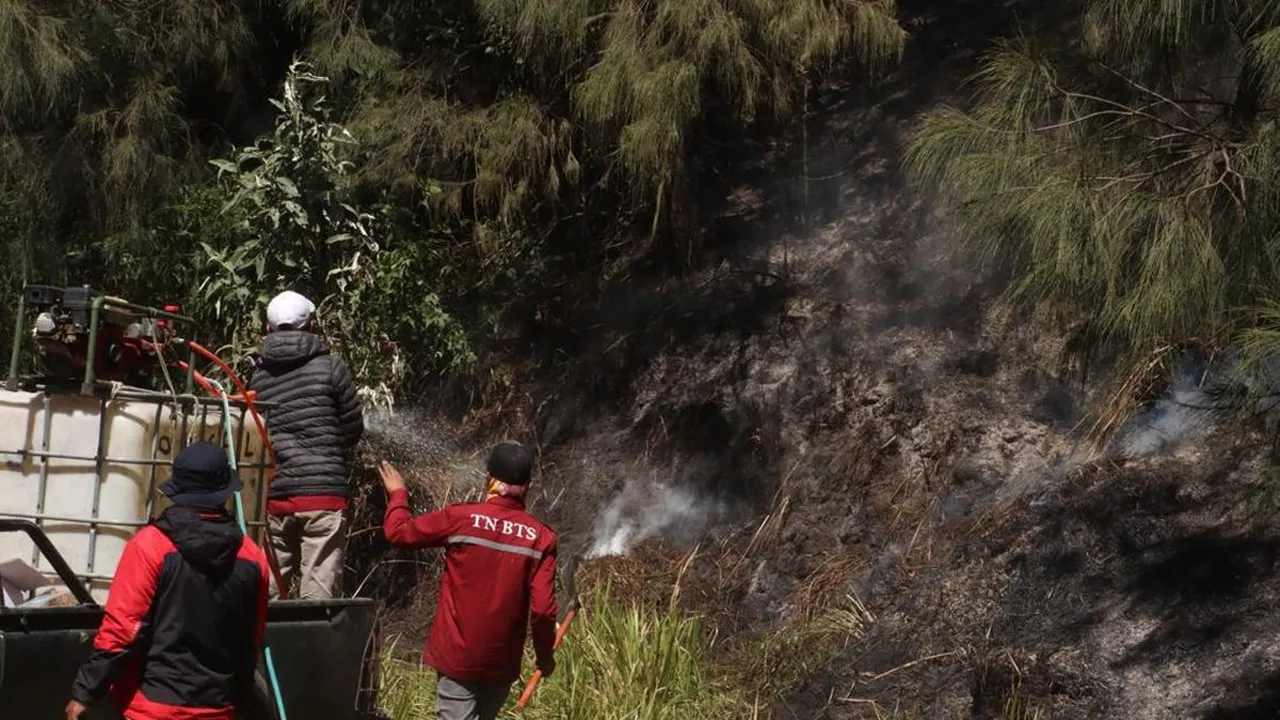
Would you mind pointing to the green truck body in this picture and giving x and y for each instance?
(325, 654)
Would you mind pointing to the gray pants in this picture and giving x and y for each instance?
(469, 701)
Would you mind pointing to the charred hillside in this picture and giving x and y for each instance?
(837, 404)
(823, 423)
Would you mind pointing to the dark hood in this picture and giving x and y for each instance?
(291, 347)
(208, 539)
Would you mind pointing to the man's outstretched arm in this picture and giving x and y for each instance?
(399, 525)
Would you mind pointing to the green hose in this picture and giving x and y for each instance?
(231, 461)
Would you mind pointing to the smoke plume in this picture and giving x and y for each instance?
(641, 512)
(1184, 414)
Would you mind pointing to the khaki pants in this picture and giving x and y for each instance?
(457, 700)
(312, 542)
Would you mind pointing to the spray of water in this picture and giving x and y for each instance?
(410, 432)
(641, 512)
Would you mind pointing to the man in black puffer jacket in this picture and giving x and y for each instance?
(314, 426)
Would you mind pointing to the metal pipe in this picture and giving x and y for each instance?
(90, 577)
(77, 520)
(43, 489)
(242, 445)
(144, 462)
(136, 393)
(204, 424)
(15, 353)
(180, 442)
(151, 475)
(87, 521)
(97, 483)
(119, 304)
(260, 512)
(95, 313)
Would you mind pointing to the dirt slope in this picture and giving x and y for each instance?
(841, 407)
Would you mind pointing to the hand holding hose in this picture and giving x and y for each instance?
(546, 669)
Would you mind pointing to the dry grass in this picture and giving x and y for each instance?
(635, 640)
(776, 663)
(1145, 380)
(1015, 708)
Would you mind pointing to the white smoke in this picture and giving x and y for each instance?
(1184, 414)
(641, 513)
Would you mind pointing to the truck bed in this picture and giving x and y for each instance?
(320, 649)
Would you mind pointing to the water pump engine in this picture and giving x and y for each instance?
(123, 349)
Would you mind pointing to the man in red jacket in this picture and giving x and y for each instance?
(499, 577)
(188, 604)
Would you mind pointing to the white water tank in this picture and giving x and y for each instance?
(86, 470)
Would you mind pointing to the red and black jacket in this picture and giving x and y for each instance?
(184, 621)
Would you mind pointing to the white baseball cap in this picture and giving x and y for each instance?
(289, 311)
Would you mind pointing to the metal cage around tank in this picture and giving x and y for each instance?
(184, 409)
(197, 417)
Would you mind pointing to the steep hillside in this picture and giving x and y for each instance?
(837, 405)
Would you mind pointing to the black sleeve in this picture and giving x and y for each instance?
(245, 681)
(350, 414)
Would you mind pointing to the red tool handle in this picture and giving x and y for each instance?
(537, 674)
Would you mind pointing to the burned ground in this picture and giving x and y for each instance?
(857, 414)
(1133, 590)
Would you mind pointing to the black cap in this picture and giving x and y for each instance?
(511, 462)
(201, 477)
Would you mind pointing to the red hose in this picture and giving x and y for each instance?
(262, 432)
(537, 674)
(248, 398)
(200, 380)
(266, 443)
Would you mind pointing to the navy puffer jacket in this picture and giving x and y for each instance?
(316, 420)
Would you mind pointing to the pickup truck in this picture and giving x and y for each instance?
(325, 653)
(82, 449)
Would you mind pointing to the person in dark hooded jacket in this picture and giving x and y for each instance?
(314, 427)
(185, 616)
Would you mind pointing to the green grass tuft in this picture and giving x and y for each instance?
(618, 662)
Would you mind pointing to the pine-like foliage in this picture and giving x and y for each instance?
(97, 114)
(637, 76)
(1128, 174)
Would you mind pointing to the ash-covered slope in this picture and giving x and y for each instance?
(847, 405)
(1142, 589)
(849, 402)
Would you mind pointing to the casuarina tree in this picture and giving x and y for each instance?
(1126, 170)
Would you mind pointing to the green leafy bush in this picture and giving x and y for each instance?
(290, 219)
